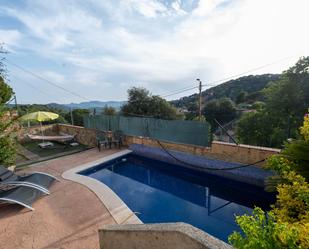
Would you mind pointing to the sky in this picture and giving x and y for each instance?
(97, 50)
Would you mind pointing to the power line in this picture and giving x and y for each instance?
(175, 92)
(186, 90)
(205, 168)
(46, 80)
(215, 83)
(37, 89)
(178, 92)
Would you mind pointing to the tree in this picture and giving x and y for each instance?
(109, 110)
(223, 110)
(241, 97)
(286, 101)
(258, 105)
(6, 91)
(288, 98)
(141, 102)
(7, 143)
(257, 128)
(78, 116)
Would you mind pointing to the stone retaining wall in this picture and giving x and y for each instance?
(83, 135)
(241, 153)
(219, 150)
(37, 129)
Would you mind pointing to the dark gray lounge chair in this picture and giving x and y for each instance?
(38, 180)
(23, 195)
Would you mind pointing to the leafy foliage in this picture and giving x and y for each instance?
(6, 91)
(256, 128)
(286, 101)
(298, 152)
(78, 116)
(287, 224)
(258, 105)
(262, 231)
(241, 97)
(109, 110)
(7, 145)
(294, 156)
(7, 150)
(141, 102)
(304, 130)
(293, 199)
(223, 110)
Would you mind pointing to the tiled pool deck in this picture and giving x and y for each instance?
(68, 218)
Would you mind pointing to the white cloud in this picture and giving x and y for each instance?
(163, 46)
(53, 76)
(206, 7)
(148, 8)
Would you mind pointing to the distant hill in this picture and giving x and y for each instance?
(88, 105)
(251, 84)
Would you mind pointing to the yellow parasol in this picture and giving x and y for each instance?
(40, 116)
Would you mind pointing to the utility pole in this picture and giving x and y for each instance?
(200, 99)
(15, 102)
(71, 112)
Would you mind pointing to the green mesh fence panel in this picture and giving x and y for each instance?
(179, 131)
(102, 122)
(133, 126)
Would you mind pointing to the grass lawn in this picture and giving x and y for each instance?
(51, 151)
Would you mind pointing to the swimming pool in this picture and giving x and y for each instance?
(162, 192)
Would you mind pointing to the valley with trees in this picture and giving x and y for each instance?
(263, 110)
(266, 109)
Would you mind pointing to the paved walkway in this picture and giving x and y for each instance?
(68, 218)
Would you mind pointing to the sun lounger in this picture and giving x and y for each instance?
(23, 195)
(60, 138)
(38, 180)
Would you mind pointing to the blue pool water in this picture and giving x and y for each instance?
(162, 192)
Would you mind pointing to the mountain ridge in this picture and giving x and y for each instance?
(88, 105)
(251, 85)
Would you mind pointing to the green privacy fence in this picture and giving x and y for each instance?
(179, 131)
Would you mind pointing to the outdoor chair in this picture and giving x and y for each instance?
(37, 180)
(117, 138)
(101, 140)
(21, 195)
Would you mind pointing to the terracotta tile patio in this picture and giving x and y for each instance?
(68, 218)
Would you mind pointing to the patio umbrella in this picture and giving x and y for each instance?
(40, 116)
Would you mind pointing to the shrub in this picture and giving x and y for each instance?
(304, 130)
(7, 151)
(261, 230)
(287, 224)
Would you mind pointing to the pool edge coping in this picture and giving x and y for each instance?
(117, 208)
